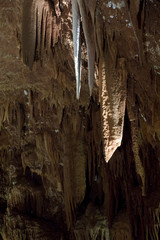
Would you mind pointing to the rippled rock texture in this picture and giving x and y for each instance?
(88, 168)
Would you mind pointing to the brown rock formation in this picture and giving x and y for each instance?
(55, 178)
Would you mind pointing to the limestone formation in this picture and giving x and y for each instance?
(86, 169)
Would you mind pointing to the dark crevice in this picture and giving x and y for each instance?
(36, 40)
(37, 179)
(45, 35)
(41, 33)
(139, 15)
(128, 4)
(3, 206)
(33, 177)
(83, 205)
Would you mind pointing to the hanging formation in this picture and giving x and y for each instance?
(79, 10)
(40, 31)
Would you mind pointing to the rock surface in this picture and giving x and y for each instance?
(55, 178)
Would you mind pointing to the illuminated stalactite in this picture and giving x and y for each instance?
(113, 98)
(77, 45)
(79, 8)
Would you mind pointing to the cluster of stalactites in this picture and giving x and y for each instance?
(112, 76)
(40, 30)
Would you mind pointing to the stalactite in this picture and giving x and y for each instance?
(29, 32)
(39, 30)
(6, 115)
(30, 101)
(89, 37)
(152, 226)
(68, 194)
(139, 167)
(100, 232)
(113, 104)
(53, 159)
(1, 116)
(132, 113)
(77, 45)
(79, 5)
(39, 20)
(136, 37)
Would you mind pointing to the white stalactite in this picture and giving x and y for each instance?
(79, 10)
(77, 45)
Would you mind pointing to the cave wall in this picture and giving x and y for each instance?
(56, 181)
